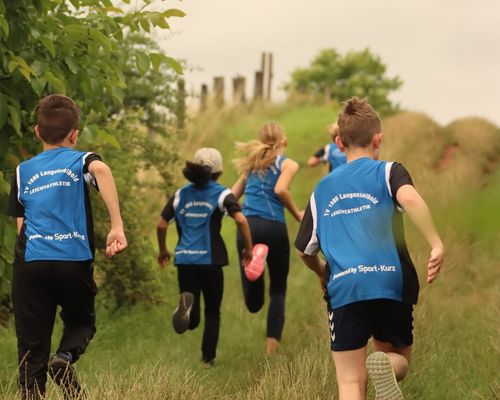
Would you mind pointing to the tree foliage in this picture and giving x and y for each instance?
(355, 73)
(72, 47)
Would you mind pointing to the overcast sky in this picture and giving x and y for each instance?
(447, 52)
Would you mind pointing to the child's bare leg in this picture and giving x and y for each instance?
(399, 356)
(352, 376)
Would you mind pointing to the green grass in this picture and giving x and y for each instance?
(136, 354)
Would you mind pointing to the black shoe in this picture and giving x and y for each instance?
(180, 318)
(208, 363)
(64, 375)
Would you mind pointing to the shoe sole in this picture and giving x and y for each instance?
(180, 319)
(382, 376)
(255, 268)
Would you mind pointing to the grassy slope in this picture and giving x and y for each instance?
(136, 354)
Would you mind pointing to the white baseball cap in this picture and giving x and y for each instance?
(209, 157)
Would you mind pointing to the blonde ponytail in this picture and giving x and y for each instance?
(258, 155)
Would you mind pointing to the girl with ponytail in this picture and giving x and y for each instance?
(266, 177)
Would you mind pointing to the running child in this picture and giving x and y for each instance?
(354, 218)
(266, 177)
(200, 254)
(330, 154)
(55, 248)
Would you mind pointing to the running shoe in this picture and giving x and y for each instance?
(64, 375)
(208, 363)
(255, 268)
(383, 377)
(181, 315)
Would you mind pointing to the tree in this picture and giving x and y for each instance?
(70, 47)
(356, 73)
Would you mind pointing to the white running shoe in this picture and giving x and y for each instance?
(180, 319)
(383, 377)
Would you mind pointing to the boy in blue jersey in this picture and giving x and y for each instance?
(330, 154)
(200, 254)
(55, 248)
(369, 279)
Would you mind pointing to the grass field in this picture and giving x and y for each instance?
(137, 355)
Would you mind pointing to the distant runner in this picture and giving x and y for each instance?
(330, 154)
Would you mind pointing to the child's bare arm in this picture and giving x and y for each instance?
(313, 161)
(244, 229)
(282, 189)
(239, 187)
(116, 240)
(316, 264)
(20, 221)
(416, 208)
(161, 234)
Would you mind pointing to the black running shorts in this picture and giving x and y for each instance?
(386, 320)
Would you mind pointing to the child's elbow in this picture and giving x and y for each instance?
(239, 218)
(280, 191)
(162, 224)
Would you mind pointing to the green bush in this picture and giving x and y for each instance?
(141, 166)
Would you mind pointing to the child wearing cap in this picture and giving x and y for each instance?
(200, 254)
(330, 154)
(371, 284)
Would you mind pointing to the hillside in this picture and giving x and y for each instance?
(137, 355)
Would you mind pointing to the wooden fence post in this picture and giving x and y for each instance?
(203, 97)
(219, 91)
(239, 90)
(269, 75)
(259, 86)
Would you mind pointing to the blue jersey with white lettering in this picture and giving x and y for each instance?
(353, 211)
(194, 207)
(52, 189)
(334, 156)
(260, 199)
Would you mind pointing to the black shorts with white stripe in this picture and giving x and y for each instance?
(386, 320)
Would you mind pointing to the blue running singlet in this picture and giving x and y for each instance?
(353, 222)
(52, 189)
(260, 199)
(333, 156)
(194, 208)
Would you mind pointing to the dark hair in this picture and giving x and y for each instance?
(57, 116)
(358, 123)
(199, 174)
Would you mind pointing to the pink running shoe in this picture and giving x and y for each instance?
(255, 268)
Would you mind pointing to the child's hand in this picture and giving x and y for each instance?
(116, 242)
(163, 258)
(246, 256)
(300, 216)
(434, 263)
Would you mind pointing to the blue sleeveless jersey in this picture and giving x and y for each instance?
(51, 187)
(260, 199)
(353, 212)
(334, 156)
(194, 207)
